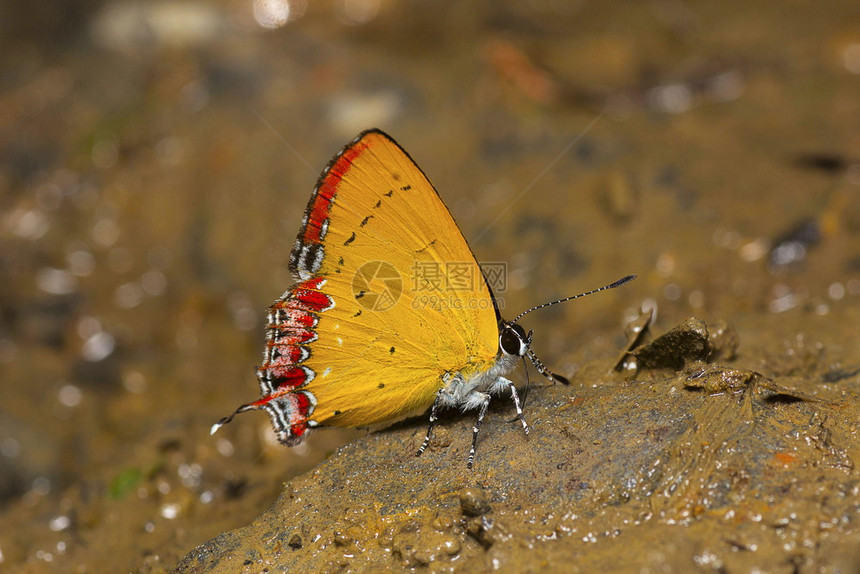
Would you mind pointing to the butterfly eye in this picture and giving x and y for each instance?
(512, 340)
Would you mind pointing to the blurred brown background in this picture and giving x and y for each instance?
(155, 159)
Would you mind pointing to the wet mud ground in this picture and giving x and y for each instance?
(155, 159)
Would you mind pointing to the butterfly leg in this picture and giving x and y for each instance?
(525, 395)
(519, 408)
(501, 384)
(481, 414)
(431, 425)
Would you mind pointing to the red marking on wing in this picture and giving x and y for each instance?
(289, 355)
(301, 408)
(288, 378)
(312, 300)
(320, 204)
(289, 413)
(285, 381)
(290, 337)
(292, 318)
(296, 432)
(313, 283)
(304, 298)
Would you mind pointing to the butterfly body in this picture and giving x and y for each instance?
(390, 311)
(340, 350)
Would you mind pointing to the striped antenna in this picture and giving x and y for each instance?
(612, 285)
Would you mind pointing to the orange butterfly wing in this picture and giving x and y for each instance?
(389, 298)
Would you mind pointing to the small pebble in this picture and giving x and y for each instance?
(473, 502)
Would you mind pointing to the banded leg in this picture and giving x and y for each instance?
(431, 425)
(519, 409)
(481, 414)
(528, 383)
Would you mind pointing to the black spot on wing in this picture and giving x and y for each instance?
(426, 246)
(350, 240)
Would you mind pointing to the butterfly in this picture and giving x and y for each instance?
(390, 312)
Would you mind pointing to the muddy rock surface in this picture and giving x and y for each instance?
(709, 466)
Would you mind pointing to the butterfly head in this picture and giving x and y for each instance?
(513, 340)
